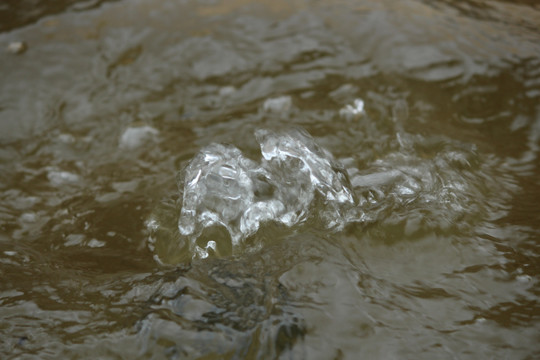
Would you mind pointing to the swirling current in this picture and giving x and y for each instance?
(269, 179)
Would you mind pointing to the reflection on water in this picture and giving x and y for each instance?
(402, 223)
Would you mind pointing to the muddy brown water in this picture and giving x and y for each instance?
(110, 100)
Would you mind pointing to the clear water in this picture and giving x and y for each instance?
(270, 179)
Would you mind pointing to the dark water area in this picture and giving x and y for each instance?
(270, 179)
(17, 13)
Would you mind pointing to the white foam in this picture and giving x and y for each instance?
(353, 112)
(135, 137)
(279, 105)
(58, 178)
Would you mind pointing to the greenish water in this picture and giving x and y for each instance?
(400, 222)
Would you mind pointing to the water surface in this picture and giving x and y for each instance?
(270, 179)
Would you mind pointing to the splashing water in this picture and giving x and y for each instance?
(222, 187)
(226, 196)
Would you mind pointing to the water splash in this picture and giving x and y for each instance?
(418, 188)
(222, 187)
(441, 187)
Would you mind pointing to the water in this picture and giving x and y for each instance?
(223, 188)
(270, 179)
